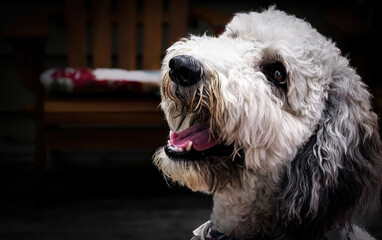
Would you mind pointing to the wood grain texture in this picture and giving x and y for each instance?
(57, 105)
(105, 138)
(76, 33)
(178, 17)
(127, 34)
(110, 119)
(152, 34)
(101, 34)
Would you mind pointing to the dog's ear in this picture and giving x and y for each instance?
(339, 168)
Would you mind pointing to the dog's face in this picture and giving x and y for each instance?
(244, 103)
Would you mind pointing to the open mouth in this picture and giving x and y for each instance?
(196, 143)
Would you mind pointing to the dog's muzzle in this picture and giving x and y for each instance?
(185, 70)
(198, 141)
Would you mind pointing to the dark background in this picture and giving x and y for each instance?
(120, 194)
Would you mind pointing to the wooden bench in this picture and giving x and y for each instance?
(77, 122)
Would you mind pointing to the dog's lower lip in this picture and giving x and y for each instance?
(194, 155)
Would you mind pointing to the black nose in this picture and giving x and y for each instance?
(185, 70)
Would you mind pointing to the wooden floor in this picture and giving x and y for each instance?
(98, 195)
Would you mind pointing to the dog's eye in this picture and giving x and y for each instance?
(279, 76)
(275, 73)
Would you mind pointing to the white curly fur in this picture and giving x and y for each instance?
(299, 145)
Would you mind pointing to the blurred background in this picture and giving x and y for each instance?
(118, 193)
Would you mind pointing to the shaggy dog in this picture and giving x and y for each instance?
(271, 120)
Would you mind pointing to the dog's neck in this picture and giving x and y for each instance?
(245, 214)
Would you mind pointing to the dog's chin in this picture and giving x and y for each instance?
(208, 168)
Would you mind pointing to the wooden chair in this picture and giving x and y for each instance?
(76, 122)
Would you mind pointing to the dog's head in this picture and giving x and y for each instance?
(270, 96)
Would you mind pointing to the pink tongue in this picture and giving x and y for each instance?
(198, 134)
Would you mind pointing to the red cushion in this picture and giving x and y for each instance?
(85, 80)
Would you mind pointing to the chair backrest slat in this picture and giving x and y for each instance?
(178, 17)
(76, 32)
(152, 34)
(125, 16)
(127, 34)
(101, 34)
